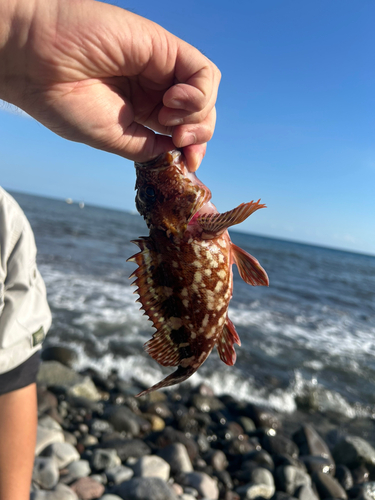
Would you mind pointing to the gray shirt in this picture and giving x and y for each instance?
(24, 313)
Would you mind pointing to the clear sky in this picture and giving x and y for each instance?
(295, 121)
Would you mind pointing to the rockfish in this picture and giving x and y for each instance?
(184, 276)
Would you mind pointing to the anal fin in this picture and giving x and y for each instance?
(226, 341)
(217, 223)
(249, 268)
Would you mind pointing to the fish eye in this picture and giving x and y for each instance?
(150, 192)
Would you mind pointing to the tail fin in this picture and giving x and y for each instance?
(176, 377)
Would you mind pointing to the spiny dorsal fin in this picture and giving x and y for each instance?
(216, 223)
(249, 268)
(225, 343)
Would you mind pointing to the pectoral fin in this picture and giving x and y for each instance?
(225, 343)
(216, 223)
(249, 268)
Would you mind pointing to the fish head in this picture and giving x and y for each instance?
(168, 195)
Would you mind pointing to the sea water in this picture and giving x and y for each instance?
(307, 341)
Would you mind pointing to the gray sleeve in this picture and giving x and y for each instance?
(24, 313)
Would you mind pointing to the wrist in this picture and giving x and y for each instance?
(15, 22)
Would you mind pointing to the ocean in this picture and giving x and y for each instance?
(308, 341)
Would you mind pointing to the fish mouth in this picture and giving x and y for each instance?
(176, 158)
(164, 160)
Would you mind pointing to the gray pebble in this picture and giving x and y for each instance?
(104, 459)
(46, 436)
(251, 491)
(203, 483)
(328, 486)
(306, 493)
(61, 492)
(289, 478)
(354, 451)
(177, 457)
(152, 466)
(110, 497)
(145, 488)
(119, 474)
(62, 453)
(260, 475)
(122, 419)
(45, 472)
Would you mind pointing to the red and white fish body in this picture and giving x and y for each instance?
(184, 275)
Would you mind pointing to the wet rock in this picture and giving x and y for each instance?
(354, 451)
(328, 487)
(360, 474)
(87, 488)
(344, 477)
(262, 417)
(63, 355)
(262, 458)
(203, 483)
(281, 495)
(251, 491)
(104, 459)
(306, 492)
(259, 475)
(158, 408)
(119, 474)
(152, 466)
(170, 436)
(206, 403)
(127, 448)
(123, 420)
(224, 479)
(310, 443)
(367, 491)
(288, 478)
(145, 488)
(247, 424)
(45, 472)
(239, 447)
(177, 457)
(62, 453)
(217, 460)
(279, 444)
(318, 464)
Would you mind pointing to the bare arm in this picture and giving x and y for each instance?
(97, 74)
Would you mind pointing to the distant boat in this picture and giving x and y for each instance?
(81, 204)
(69, 201)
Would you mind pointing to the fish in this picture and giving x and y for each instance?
(184, 276)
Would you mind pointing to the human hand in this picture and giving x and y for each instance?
(97, 74)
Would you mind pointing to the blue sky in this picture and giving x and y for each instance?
(295, 121)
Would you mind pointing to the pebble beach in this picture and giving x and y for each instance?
(97, 441)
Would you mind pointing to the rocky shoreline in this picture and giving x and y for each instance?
(97, 441)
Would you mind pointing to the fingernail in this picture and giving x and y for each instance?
(173, 122)
(176, 104)
(188, 139)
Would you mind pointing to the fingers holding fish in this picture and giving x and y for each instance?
(194, 155)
